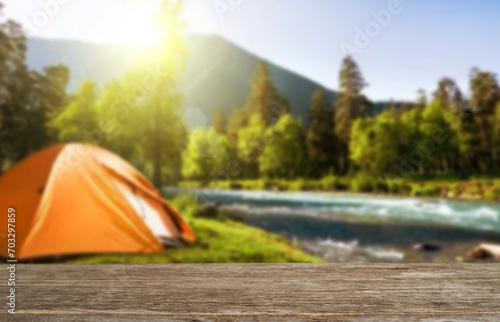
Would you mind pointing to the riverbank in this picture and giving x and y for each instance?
(219, 240)
(344, 227)
(472, 189)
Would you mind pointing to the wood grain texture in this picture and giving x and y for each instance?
(255, 292)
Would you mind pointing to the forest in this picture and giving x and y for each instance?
(139, 117)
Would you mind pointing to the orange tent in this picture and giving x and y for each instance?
(81, 199)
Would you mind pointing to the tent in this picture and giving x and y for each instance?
(81, 199)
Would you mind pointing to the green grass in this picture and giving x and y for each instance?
(220, 240)
(425, 190)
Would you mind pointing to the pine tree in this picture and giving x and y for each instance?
(448, 95)
(239, 119)
(485, 95)
(48, 98)
(467, 131)
(350, 105)
(320, 136)
(444, 92)
(496, 136)
(220, 123)
(264, 98)
(28, 99)
(15, 98)
(53, 89)
(421, 98)
(162, 144)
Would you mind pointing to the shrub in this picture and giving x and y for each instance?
(235, 185)
(493, 193)
(474, 190)
(186, 204)
(363, 183)
(331, 183)
(302, 185)
(381, 186)
(280, 185)
(422, 190)
(455, 190)
(264, 184)
(343, 184)
(219, 185)
(399, 188)
(248, 184)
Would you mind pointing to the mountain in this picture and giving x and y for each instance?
(101, 63)
(218, 73)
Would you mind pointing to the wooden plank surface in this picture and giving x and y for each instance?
(255, 292)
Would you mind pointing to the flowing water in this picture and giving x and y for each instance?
(364, 228)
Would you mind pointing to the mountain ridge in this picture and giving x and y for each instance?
(218, 72)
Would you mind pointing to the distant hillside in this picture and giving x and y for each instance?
(218, 72)
(98, 62)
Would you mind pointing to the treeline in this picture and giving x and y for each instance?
(28, 99)
(139, 117)
(446, 134)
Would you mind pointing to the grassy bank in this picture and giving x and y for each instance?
(220, 240)
(471, 189)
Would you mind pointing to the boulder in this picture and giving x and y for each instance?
(424, 247)
(208, 210)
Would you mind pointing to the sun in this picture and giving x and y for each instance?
(144, 35)
(136, 24)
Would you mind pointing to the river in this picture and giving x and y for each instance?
(365, 228)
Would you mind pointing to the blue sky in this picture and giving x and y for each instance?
(424, 40)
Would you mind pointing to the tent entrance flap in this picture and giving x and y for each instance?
(150, 215)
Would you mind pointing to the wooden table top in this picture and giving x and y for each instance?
(254, 292)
